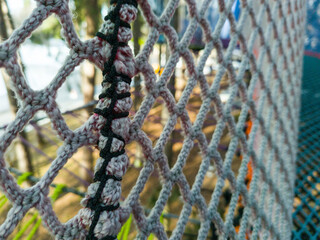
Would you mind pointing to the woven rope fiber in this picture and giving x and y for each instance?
(270, 36)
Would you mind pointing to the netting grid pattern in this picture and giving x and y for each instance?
(306, 215)
(275, 28)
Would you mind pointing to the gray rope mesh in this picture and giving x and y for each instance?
(270, 35)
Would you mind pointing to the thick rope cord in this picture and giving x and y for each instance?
(102, 201)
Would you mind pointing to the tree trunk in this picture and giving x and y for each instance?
(22, 151)
(88, 70)
(165, 116)
(171, 87)
(136, 30)
(137, 98)
(88, 76)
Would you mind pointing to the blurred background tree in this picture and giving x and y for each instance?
(23, 158)
(88, 19)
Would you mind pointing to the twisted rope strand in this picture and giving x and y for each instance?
(114, 106)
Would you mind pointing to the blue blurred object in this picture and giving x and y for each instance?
(213, 17)
(312, 41)
(157, 7)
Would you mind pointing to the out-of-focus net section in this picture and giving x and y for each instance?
(258, 163)
(306, 216)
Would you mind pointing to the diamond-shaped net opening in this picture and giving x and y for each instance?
(232, 118)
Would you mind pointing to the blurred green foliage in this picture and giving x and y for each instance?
(86, 18)
(49, 29)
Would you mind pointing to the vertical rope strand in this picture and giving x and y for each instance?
(114, 105)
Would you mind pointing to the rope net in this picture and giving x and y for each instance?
(306, 215)
(269, 35)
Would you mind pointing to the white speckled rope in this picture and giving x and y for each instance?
(102, 213)
(270, 35)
